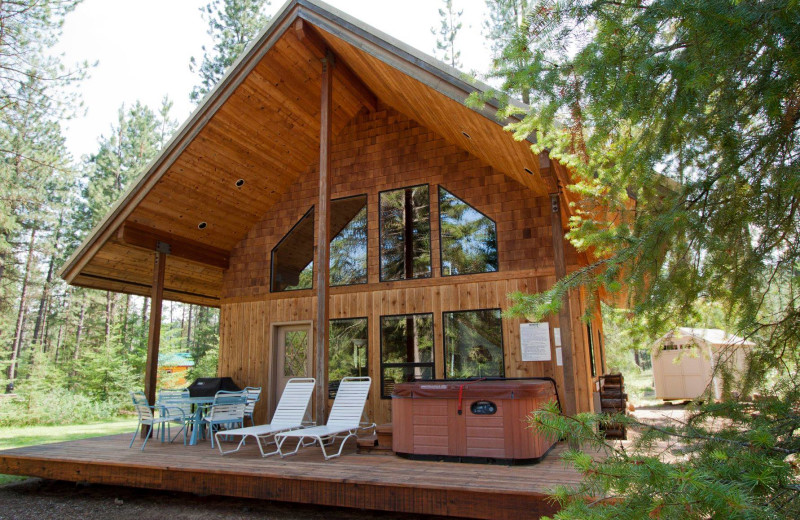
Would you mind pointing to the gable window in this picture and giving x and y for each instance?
(347, 351)
(406, 350)
(293, 257)
(405, 234)
(473, 344)
(468, 237)
(348, 252)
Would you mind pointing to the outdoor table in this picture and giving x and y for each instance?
(197, 416)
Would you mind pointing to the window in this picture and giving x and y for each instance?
(405, 234)
(347, 351)
(473, 344)
(468, 237)
(292, 258)
(406, 350)
(348, 253)
(591, 348)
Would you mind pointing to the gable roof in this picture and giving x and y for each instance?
(261, 124)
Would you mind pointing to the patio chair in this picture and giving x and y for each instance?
(227, 412)
(288, 416)
(344, 421)
(253, 396)
(176, 400)
(155, 416)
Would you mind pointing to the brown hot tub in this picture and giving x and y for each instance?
(491, 427)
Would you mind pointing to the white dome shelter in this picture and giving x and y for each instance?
(684, 361)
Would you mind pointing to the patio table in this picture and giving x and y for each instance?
(197, 416)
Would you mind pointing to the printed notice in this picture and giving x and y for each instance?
(559, 359)
(535, 341)
(557, 336)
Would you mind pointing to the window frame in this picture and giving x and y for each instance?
(441, 256)
(281, 241)
(383, 365)
(366, 206)
(328, 369)
(380, 234)
(502, 339)
(592, 361)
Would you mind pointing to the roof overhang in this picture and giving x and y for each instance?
(261, 124)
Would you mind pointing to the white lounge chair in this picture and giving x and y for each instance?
(288, 416)
(344, 421)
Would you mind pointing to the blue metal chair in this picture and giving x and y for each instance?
(155, 416)
(253, 396)
(226, 412)
(173, 400)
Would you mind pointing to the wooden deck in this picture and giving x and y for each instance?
(376, 482)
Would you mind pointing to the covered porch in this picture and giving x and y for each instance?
(358, 480)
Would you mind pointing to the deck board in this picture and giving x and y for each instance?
(377, 482)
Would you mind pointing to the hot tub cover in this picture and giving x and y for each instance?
(489, 389)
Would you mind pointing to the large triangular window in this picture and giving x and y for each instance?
(293, 257)
(468, 237)
(348, 253)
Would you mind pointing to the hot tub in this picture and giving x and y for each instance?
(470, 421)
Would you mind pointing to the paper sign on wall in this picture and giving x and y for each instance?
(559, 359)
(535, 341)
(557, 336)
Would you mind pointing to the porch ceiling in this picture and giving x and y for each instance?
(261, 124)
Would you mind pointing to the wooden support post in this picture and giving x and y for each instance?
(323, 239)
(154, 336)
(565, 315)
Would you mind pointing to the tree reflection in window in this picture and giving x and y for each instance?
(347, 351)
(473, 344)
(405, 233)
(406, 350)
(348, 253)
(292, 258)
(469, 238)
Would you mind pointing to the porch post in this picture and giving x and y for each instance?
(565, 314)
(323, 239)
(154, 336)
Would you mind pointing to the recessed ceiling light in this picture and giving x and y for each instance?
(202, 225)
(240, 183)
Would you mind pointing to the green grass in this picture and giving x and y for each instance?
(18, 437)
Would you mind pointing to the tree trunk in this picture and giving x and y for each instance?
(144, 311)
(41, 317)
(15, 345)
(79, 330)
(109, 312)
(189, 330)
(125, 323)
(636, 358)
(62, 326)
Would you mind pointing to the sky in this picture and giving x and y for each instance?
(142, 50)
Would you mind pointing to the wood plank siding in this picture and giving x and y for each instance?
(379, 151)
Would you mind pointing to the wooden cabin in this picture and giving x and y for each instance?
(350, 215)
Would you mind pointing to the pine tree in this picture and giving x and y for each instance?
(504, 28)
(232, 24)
(679, 121)
(447, 33)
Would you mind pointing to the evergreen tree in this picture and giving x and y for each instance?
(450, 24)
(503, 29)
(232, 24)
(679, 122)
